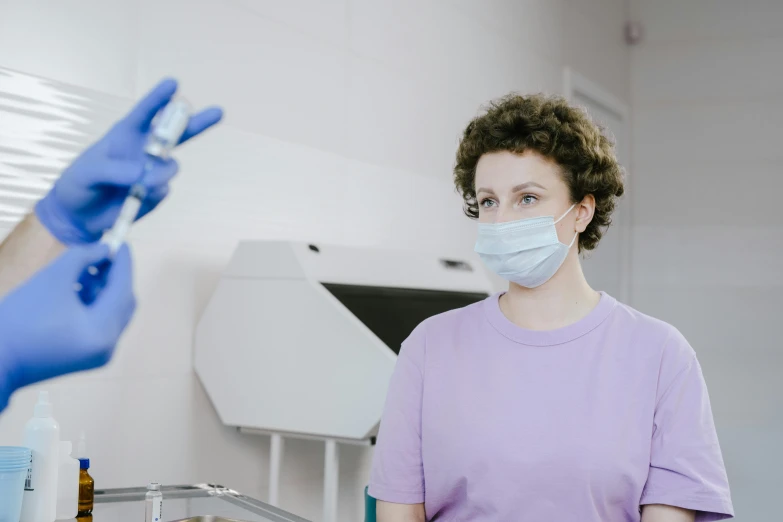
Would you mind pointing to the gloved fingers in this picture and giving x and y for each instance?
(105, 218)
(119, 173)
(124, 173)
(76, 259)
(145, 110)
(114, 306)
(160, 172)
(202, 121)
(154, 197)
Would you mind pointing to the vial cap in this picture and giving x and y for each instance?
(153, 486)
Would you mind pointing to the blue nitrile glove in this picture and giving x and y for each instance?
(45, 328)
(87, 198)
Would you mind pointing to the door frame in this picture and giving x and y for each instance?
(575, 84)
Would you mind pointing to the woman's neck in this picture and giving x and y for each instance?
(561, 301)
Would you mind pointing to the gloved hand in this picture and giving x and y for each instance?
(45, 328)
(87, 198)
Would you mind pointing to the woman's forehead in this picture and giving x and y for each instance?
(505, 170)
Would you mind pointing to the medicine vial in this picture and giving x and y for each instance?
(153, 503)
(168, 128)
(86, 487)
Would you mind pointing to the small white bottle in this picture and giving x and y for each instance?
(67, 484)
(153, 503)
(42, 436)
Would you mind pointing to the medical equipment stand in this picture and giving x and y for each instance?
(331, 480)
(331, 465)
(275, 458)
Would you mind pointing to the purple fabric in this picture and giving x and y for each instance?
(485, 420)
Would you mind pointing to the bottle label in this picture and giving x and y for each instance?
(28, 482)
(157, 508)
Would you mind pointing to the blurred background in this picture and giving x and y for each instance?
(342, 121)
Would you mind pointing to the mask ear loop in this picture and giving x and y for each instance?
(565, 214)
(561, 218)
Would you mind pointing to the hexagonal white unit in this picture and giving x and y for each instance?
(302, 339)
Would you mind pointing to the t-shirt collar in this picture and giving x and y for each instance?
(563, 335)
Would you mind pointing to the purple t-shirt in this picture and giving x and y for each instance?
(485, 420)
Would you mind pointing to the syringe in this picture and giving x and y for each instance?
(166, 133)
(167, 129)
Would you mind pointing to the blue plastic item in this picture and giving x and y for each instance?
(14, 463)
(369, 506)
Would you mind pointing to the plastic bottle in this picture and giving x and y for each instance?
(81, 447)
(42, 436)
(153, 503)
(86, 489)
(67, 484)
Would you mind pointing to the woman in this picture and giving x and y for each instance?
(551, 401)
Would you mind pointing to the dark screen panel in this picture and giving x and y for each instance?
(393, 313)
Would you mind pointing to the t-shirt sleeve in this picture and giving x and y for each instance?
(397, 471)
(686, 465)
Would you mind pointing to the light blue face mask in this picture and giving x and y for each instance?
(526, 252)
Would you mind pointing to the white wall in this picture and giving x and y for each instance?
(375, 92)
(706, 90)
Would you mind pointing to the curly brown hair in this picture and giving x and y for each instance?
(551, 127)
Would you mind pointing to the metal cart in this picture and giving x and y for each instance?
(199, 503)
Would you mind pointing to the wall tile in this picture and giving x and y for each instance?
(269, 78)
(679, 20)
(694, 191)
(536, 26)
(704, 71)
(708, 132)
(595, 49)
(427, 42)
(89, 43)
(321, 19)
(708, 256)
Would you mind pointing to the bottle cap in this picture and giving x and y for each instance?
(84, 463)
(43, 408)
(153, 486)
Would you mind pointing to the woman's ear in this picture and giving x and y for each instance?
(585, 210)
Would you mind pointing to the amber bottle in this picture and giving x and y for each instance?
(86, 489)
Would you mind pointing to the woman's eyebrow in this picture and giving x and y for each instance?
(527, 185)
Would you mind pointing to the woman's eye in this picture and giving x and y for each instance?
(487, 203)
(528, 199)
